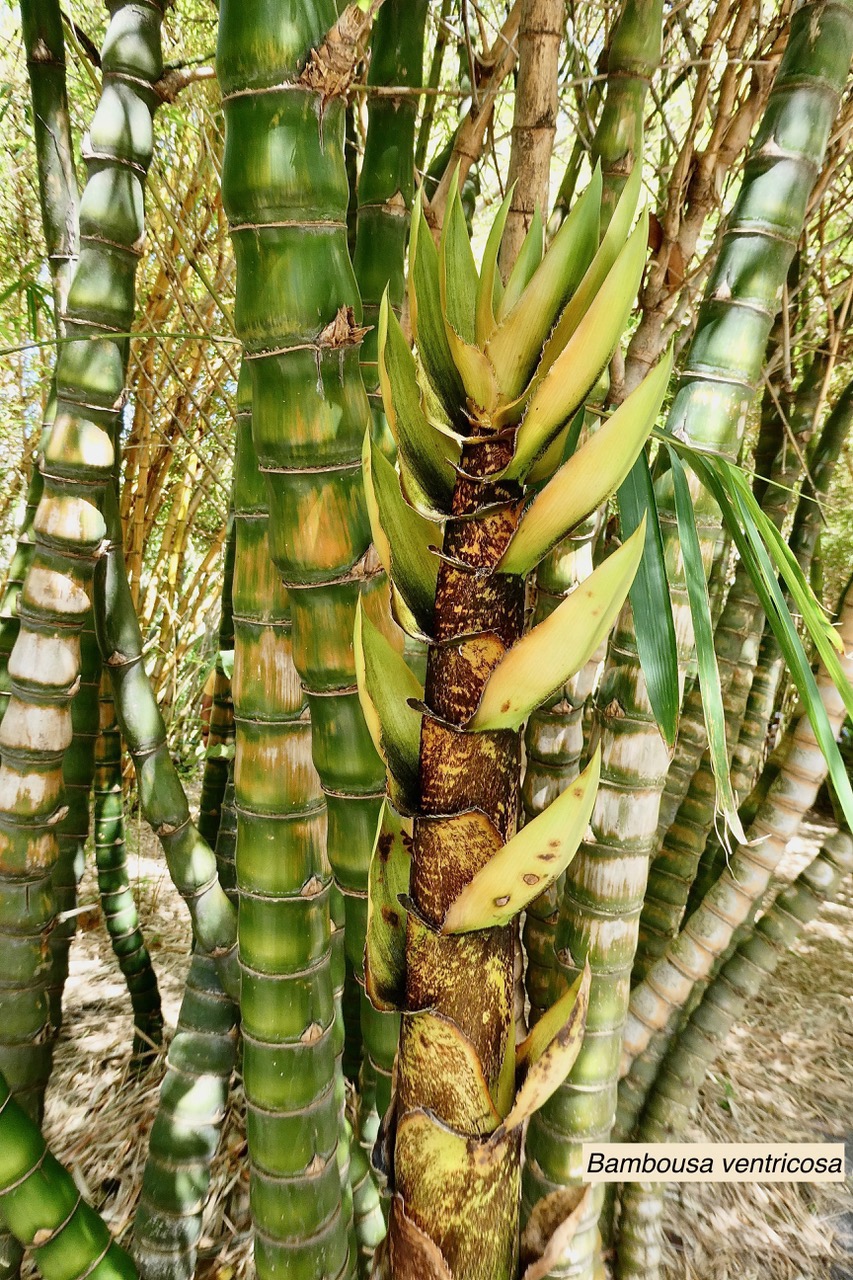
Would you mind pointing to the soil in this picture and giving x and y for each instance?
(786, 1074)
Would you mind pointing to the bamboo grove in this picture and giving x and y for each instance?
(506, 449)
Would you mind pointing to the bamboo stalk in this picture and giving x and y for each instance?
(291, 1035)
(678, 1082)
(534, 121)
(44, 1209)
(221, 723)
(54, 601)
(117, 902)
(191, 861)
(750, 750)
(690, 957)
(185, 1134)
(44, 46)
(688, 807)
(606, 882)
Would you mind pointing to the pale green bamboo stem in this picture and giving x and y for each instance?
(690, 957)
(678, 1082)
(606, 882)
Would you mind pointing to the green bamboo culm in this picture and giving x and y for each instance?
(43, 1208)
(118, 904)
(387, 178)
(78, 771)
(186, 1130)
(44, 46)
(309, 408)
(292, 1033)
(749, 751)
(220, 736)
(69, 529)
(723, 366)
(688, 805)
(193, 1102)
(796, 779)
(684, 1069)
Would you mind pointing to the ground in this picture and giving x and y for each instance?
(786, 1075)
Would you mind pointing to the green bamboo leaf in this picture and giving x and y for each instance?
(428, 454)
(516, 346)
(457, 271)
(591, 474)
(651, 604)
(817, 624)
(553, 651)
(490, 287)
(427, 315)
(529, 258)
(475, 370)
(388, 879)
(703, 636)
(401, 536)
(611, 246)
(530, 862)
(752, 551)
(385, 687)
(548, 1071)
(565, 385)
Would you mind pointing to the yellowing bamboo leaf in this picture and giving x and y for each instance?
(427, 315)
(547, 1072)
(528, 863)
(490, 287)
(428, 454)
(548, 1026)
(413, 1255)
(575, 369)
(458, 1087)
(550, 1229)
(529, 258)
(385, 945)
(475, 370)
(591, 474)
(401, 536)
(385, 685)
(515, 348)
(553, 651)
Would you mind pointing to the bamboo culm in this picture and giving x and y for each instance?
(220, 736)
(69, 529)
(690, 957)
(187, 1127)
(118, 905)
(723, 366)
(688, 804)
(684, 1069)
(292, 1033)
(191, 862)
(43, 1208)
(384, 203)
